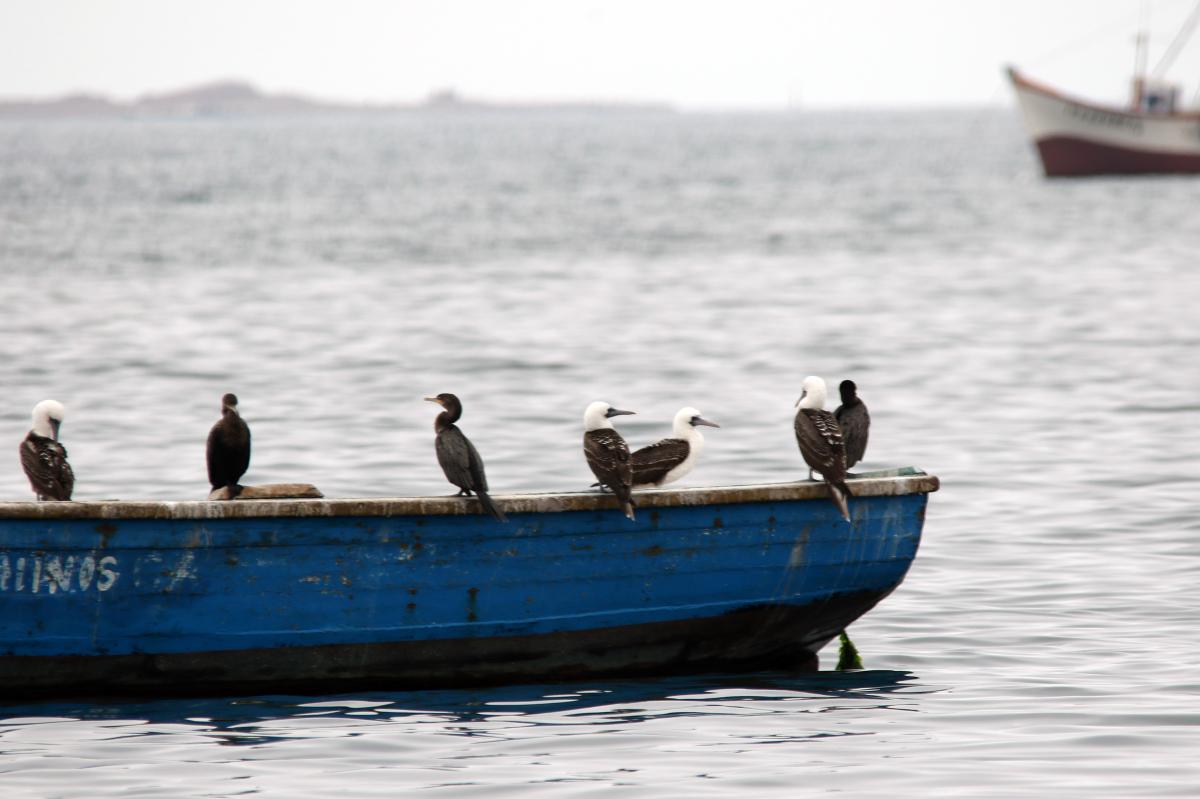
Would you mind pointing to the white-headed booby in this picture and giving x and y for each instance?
(228, 448)
(670, 459)
(607, 453)
(820, 441)
(855, 422)
(458, 457)
(43, 458)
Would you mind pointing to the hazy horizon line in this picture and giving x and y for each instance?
(450, 96)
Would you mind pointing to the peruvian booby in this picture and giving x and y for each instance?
(607, 453)
(670, 459)
(821, 443)
(43, 458)
(854, 420)
(228, 448)
(458, 457)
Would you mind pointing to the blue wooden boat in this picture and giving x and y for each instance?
(256, 596)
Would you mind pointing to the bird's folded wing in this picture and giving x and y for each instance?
(651, 464)
(454, 454)
(608, 455)
(819, 437)
(47, 468)
(856, 425)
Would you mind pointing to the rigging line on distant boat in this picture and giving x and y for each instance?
(1177, 44)
(1094, 36)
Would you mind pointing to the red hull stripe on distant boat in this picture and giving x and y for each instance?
(1064, 156)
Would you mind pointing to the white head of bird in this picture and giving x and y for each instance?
(47, 416)
(597, 415)
(686, 422)
(813, 393)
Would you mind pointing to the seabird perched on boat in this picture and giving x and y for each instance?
(228, 448)
(458, 457)
(607, 453)
(854, 420)
(43, 458)
(821, 443)
(670, 459)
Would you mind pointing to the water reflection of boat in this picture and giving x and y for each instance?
(313, 595)
(256, 720)
(1076, 137)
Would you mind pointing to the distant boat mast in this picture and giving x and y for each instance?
(1140, 56)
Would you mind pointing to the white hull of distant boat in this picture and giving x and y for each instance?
(1076, 137)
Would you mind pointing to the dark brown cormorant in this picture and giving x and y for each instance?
(607, 453)
(820, 441)
(43, 458)
(855, 422)
(228, 448)
(670, 459)
(458, 457)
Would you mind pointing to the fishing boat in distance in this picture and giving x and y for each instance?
(1152, 135)
(318, 595)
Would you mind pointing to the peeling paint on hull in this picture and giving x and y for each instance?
(225, 602)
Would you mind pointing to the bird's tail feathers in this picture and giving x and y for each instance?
(490, 507)
(626, 500)
(837, 494)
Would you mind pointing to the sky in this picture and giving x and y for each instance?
(749, 54)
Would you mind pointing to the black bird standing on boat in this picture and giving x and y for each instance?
(43, 458)
(228, 448)
(607, 453)
(672, 458)
(821, 443)
(458, 457)
(854, 420)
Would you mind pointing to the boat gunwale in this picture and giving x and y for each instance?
(1022, 81)
(886, 484)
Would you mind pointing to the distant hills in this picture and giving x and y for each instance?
(235, 99)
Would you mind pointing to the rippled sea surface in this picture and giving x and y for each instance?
(1036, 344)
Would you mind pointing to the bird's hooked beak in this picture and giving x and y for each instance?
(434, 399)
(697, 421)
(54, 425)
(617, 412)
(803, 394)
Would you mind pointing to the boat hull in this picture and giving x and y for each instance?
(318, 595)
(785, 637)
(1068, 156)
(1075, 138)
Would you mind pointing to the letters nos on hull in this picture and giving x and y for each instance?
(54, 574)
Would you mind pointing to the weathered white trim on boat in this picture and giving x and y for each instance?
(896, 482)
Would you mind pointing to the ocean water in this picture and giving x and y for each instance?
(1033, 343)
